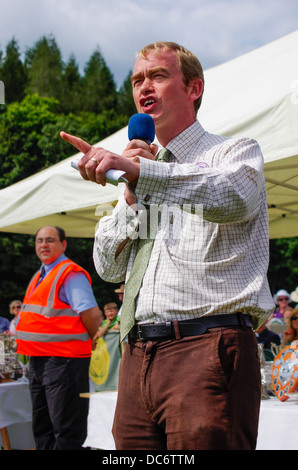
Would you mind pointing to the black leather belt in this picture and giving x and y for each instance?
(179, 329)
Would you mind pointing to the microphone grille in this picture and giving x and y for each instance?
(141, 126)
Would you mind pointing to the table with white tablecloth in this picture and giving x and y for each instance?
(278, 423)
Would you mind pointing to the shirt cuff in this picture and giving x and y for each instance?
(152, 182)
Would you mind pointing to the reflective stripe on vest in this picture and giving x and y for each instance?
(47, 338)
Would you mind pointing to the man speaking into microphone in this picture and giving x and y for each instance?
(190, 376)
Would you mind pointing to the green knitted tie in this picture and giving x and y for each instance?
(138, 270)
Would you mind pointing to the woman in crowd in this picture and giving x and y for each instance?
(14, 309)
(281, 299)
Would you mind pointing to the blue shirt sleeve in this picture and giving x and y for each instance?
(77, 292)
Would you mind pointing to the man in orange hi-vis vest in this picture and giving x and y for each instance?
(55, 327)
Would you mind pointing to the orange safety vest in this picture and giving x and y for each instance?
(46, 326)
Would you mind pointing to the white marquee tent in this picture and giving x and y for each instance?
(255, 95)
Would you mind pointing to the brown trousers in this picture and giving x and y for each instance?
(196, 393)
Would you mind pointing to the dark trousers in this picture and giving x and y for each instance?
(196, 393)
(59, 416)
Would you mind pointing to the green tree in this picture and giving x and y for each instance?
(72, 86)
(126, 104)
(99, 89)
(13, 74)
(45, 68)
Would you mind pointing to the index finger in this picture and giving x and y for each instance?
(77, 142)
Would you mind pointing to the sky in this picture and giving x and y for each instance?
(216, 30)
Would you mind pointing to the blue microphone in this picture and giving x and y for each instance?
(141, 126)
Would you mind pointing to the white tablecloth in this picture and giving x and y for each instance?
(278, 423)
(16, 414)
(100, 420)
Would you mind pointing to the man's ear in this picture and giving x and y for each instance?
(196, 89)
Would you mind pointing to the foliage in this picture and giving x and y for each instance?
(45, 68)
(21, 129)
(30, 138)
(99, 90)
(126, 103)
(72, 84)
(283, 269)
(13, 73)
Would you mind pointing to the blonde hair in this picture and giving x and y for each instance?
(189, 64)
(293, 314)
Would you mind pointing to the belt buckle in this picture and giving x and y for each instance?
(139, 332)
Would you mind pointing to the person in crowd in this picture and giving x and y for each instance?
(291, 333)
(4, 325)
(57, 323)
(14, 309)
(287, 314)
(194, 291)
(111, 321)
(267, 337)
(282, 299)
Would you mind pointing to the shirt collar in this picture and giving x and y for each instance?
(50, 266)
